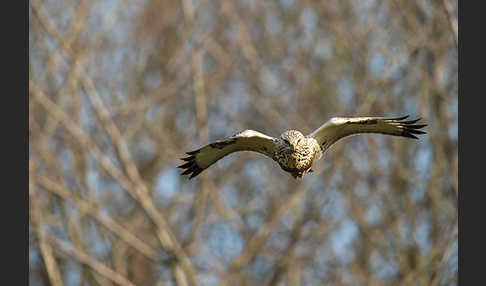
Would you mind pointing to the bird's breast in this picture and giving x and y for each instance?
(301, 158)
(297, 160)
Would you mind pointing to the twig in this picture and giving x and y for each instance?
(46, 251)
(164, 233)
(89, 261)
(107, 222)
(452, 22)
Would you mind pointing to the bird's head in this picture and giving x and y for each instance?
(291, 138)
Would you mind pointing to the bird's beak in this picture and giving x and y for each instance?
(292, 145)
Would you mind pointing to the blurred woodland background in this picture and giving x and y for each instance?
(119, 90)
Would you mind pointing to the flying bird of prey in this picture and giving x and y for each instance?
(293, 151)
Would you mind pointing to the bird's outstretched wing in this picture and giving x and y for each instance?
(339, 127)
(248, 140)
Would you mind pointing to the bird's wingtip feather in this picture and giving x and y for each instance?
(190, 165)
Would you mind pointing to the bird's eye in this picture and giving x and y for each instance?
(286, 141)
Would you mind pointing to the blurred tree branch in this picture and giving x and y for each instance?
(120, 90)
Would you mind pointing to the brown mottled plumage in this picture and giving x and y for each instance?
(294, 152)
